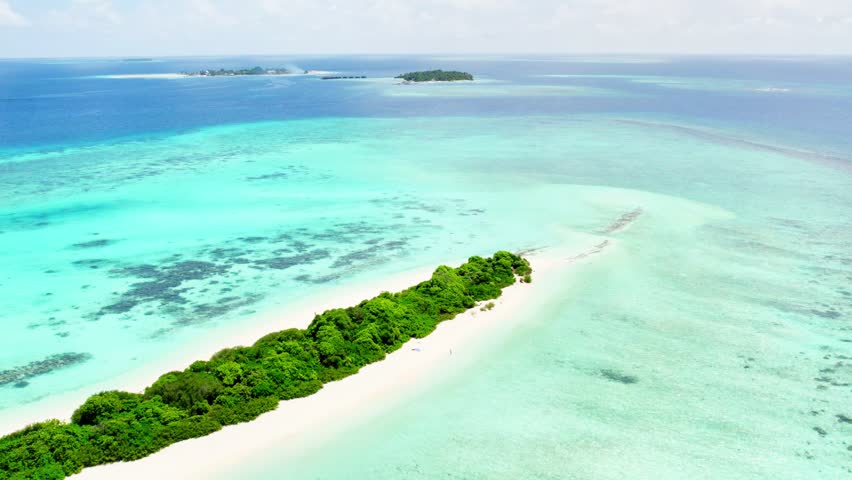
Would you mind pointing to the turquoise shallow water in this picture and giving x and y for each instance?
(714, 342)
(145, 253)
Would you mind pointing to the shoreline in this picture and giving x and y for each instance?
(413, 82)
(298, 315)
(305, 422)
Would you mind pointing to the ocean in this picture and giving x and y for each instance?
(139, 216)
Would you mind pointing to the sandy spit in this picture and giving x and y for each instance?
(305, 422)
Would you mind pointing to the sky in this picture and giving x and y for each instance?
(93, 28)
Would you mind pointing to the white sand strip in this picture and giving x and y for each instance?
(303, 423)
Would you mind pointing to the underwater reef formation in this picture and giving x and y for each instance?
(20, 374)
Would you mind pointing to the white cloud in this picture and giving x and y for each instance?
(10, 18)
(206, 11)
(85, 14)
(174, 27)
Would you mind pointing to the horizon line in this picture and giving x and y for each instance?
(423, 54)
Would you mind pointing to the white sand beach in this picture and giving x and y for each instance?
(304, 422)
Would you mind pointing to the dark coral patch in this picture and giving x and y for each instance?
(830, 313)
(94, 243)
(162, 283)
(283, 263)
(616, 376)
(93, 263)
(21, 373)
(317, 280)
(268, 176)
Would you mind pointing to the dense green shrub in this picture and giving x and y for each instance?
(239, 384)
(435, 76)
(103, 406)
(186, 389)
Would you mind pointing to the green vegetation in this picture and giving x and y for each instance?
(487, 306)
(435, 76)
(244, 71)
(238, 384)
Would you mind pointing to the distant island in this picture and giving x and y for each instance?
(342, 77)
(435, 76)
(244, 71)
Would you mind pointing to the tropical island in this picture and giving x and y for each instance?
(343, 77)
(242, 72)
(239, 384)
(435, 76)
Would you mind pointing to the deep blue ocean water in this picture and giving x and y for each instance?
(56, 102)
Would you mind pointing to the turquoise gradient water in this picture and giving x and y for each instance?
(714, 342)
(731, 316)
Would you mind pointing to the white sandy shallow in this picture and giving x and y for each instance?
(170, 76)
(305, 422)
(165, 76)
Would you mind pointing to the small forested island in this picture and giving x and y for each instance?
(243, 71)
(238, 384)
(435, 76)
